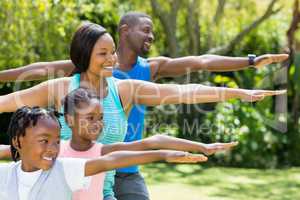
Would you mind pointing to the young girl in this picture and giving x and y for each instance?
(84, 115)
(39, 175)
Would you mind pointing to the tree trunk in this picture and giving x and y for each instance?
(193, 27)
(169, 23)
(226, 49)
(291, 45)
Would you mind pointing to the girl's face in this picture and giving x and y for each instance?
(88, 121)
(40, 146)
(103, 56)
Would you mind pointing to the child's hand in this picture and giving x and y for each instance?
(210, 149)
(184, 157)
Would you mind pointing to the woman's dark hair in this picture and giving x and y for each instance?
(83, 43)
(75, 98)
(23, 118)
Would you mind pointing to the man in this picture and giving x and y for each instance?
(136, 37)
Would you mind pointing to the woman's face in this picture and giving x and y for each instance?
(103, 57)
(40, 146)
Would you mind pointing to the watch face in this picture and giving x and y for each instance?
(251, 58)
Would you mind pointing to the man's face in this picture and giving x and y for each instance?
(140, 36)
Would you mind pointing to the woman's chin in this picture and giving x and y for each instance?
(106, 73)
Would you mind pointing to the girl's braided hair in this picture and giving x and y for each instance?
(73, 100)
(23, 118)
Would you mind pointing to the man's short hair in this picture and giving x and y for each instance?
(131, 19)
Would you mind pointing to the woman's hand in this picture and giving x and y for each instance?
(258, 95)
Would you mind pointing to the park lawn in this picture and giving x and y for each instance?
(193, 182)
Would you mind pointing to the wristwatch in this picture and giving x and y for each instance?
(251, 58)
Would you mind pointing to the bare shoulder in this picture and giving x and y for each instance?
(127, 89)
(154, 61)
(155, 64)
(129, 84)
(158, 59)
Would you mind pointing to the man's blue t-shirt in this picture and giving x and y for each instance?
(139, 71)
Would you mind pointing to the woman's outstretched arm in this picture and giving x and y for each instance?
(151, 94)
(38, 71)
(45, 94)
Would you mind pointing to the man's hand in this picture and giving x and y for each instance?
(258, 95)
(210, 149)
(267, 59)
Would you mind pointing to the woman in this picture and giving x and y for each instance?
(93, 54)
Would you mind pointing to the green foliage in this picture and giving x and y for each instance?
(35, 30)
(260, 145)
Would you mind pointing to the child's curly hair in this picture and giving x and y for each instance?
(23, 118)
(73, 100)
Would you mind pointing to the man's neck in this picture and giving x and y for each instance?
(126, 58)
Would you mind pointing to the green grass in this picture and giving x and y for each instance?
(192, 182)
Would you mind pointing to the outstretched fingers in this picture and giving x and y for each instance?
(276, 58)
(226, 146)
(261, 94)
(187, 158)
(272, 92)
(269, 59)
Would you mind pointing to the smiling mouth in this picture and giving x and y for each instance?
(94, 132)
(148, 44)
(48, 158)
(109, 68)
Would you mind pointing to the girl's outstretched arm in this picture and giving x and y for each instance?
(168, 142)
(127, 158)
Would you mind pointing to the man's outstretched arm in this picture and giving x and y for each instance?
(169, 67)
(38, 71)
